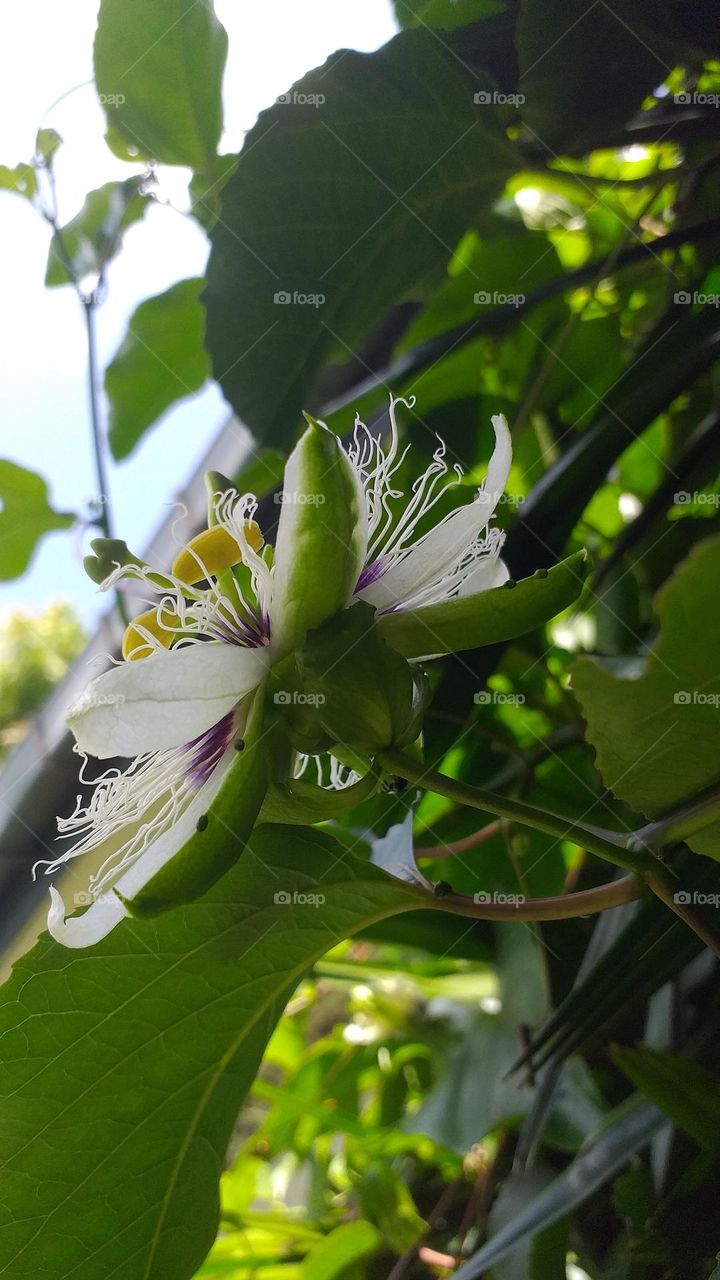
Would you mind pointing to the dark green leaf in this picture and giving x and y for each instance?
(158, 71)
(383, 159)
(161, 360)
(25, 515)
(585, 74)
(687, 1092)
(134, 1072)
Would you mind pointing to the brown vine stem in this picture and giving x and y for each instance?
(565, 906)
(455, 847)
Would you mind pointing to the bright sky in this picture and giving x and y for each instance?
(44, 420)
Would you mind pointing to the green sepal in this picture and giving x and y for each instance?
(321, 537)
(301, 802)
(222, 833)
(486, 617)
(108, 553)
(346, 686)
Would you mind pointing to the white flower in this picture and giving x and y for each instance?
(460, 555)
(179, 703)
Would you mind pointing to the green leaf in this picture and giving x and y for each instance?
(158, 71)
(584, 77)
(540, 1258)
(94, 236)
(384, 159)
(25, 515)
(445, 14)
(656, 728)
(687, 1092)
(126, 1066)
(161, 360)
(502, 613)
(21, 180)
(47, 142)
(347, 1244)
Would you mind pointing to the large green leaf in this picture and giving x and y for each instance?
(161, 360)
(350, 190)
(25, 515)
(488, 616)
(585, 74)
(125, 1066)
(94, 235)
(158, 71)
(656, 728)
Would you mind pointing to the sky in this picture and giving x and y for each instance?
(44, 423)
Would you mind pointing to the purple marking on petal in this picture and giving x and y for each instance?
(370, 574)
(208, 748)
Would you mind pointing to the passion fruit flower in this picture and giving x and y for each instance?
(181, 700)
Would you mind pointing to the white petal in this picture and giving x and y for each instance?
(489, 572)
(163, 701)
(439, 551)
(108, 910)
(83, 931)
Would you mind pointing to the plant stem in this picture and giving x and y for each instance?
(565, 906)
(663, 889)
(606, 844)
(89, 306)
(456, 847)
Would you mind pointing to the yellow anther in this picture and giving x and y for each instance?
(160, 623)
(211, 551)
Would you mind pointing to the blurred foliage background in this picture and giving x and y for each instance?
(509, 207)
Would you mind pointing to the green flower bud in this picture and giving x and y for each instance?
(346, 686)
(108, 554)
